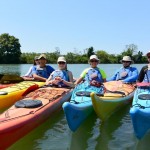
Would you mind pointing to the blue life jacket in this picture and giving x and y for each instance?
(63, 74)
(146, 76)
(128, 72)
(44, 72)
(94, 74)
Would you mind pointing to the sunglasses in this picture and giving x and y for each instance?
(93, 60)
(126, 61)
(148, 56)
(61, 62)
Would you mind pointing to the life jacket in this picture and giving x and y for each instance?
(147, 75)
(94, 74)
(63, 74)
(43, 72)
(123, 73)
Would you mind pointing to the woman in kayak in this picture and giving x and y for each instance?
(94, 75)
(125, 74)
(28, 75)
(61, 77)
(144, 75)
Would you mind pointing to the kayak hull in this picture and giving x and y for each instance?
(108, 104)
(80, 107)
(20, 121)
(15, 93)
(140, 112)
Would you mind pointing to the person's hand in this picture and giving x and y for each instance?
(58, 79)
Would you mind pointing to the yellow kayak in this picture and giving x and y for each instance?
(9, 95)
(116, 95)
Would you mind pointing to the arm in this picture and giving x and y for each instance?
(78, 80)
(29, 72)
(70, 83)
(132, 78)
(113, 78)
(142, 74)
(36, 77)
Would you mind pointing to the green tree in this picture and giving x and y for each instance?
(90, 51)
(130, 50)
(104, 56)
(9, 49)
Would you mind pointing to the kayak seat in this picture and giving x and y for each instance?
(144, 97)
(28, 104)
(86, 93)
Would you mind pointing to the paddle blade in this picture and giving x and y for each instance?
(30, 89)
(5, 79)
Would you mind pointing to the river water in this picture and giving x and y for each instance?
(114, 134)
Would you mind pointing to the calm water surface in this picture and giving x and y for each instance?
(115, 134)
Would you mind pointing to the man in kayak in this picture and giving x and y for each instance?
(125, 74)
(94, 75)
(144, 75)
(61, 77)
(42, 71)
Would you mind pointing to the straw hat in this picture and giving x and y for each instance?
(61, 59)
(126, 58)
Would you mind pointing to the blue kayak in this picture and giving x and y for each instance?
(140, 111)
(80, 105)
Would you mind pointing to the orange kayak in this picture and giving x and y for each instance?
(17, 122)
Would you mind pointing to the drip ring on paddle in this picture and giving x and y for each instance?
(144, 97)
(28, 104)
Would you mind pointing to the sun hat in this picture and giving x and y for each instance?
(42, 56)
(126, 58)
(36, 57)
(61, 59)
(148, 53)
(94, 57)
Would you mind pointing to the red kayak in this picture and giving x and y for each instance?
(17, 122)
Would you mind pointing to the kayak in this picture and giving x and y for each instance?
(30, 112)
(80, 105)
(140, 111)
(5, 85)
(117, 94)
(9, 95)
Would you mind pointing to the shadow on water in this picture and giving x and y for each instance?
(114, 134)
(51, 135)
(117, 132)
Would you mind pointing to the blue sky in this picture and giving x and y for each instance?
(74, 25)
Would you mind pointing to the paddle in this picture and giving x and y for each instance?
(10, 78)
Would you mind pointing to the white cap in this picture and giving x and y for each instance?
(94, 57)
(127, 58)
(61, 59)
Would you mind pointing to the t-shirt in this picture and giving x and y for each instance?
(142, 73)
(83, 74)
(43, 72)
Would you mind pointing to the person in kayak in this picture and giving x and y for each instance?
(144, 75)
(28, 75)
(42, 71)
(94, 75)
(61, 77)
(125, 74)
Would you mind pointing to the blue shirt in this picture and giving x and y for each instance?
(43, 72)
(131, 75)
